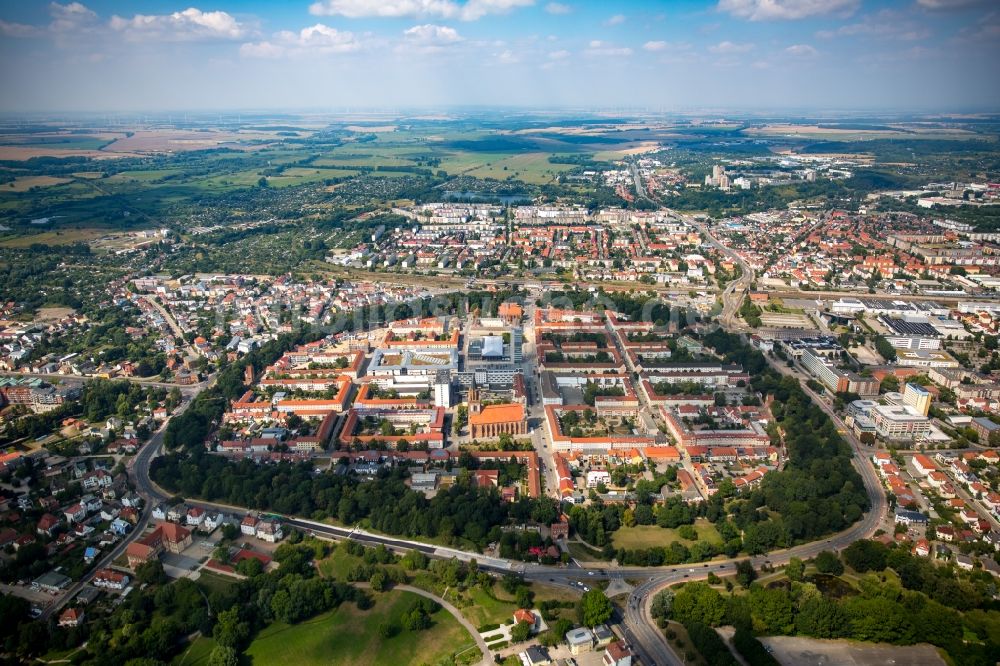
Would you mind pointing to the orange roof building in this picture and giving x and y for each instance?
(495, 420)
(510, 313)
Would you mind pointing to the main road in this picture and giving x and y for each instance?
(639, 626)
(138, 467)
(732, 295)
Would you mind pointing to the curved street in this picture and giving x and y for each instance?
(637, 622)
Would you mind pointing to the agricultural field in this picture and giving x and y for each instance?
(532, 168)
(30, 182)
(143, 175)
(61, 237)
(60, 141)
(350, 636)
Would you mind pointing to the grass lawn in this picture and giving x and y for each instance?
(195, 654)
(212, 581)
(583, 552)
(350, 636)
(64, 655)
(338, 564)
(647, 536)
(485, 609)
(545, 592)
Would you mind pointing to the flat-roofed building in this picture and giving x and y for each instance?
(899, 422)
(824, 370)
(918, 397)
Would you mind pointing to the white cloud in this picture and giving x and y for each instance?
(950, 4)
(70, 17)
(766, 10)
(617, 19)
(507, 57)
(471, 10)
(562, 54)
(887, 24)
(599, 48)
(429, 38)
(262, 50)
(383, 8)
(8, 29)
(188, 25)
(660, 46)
(728, 48)
(558, 8)
(801, 50)
(317, 39)
(476, 9)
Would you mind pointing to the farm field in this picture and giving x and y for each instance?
(60, 141)
(61, 237)
(532, 168)
(28, 182)
(142, 175)
(350, 636)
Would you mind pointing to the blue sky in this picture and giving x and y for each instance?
(683, 55)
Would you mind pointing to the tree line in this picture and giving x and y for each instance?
(906, 600)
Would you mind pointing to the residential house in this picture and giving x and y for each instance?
(617, 654)
(71, 617)
(270, 531)
(535, 656)
(75, 513)
(47, 525)
(248, 526)
(195, 516)
(213, 520)
(111, 579)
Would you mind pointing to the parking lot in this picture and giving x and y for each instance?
(797, 651)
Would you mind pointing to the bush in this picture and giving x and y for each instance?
(706, 641)
(827, 562)
(751, 649)
(388, 629)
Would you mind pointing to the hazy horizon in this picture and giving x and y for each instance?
(112, 55)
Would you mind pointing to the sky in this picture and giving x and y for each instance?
(666, 55)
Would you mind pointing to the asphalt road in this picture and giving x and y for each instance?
(188, 389)
(639, 627)
(138, 468)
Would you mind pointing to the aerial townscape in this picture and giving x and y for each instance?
(470, 332)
